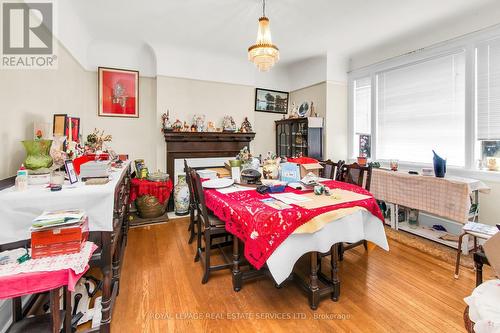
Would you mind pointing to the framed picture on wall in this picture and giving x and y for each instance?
(118, 92)
(272, 101)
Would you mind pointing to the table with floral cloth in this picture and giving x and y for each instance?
(265, 230)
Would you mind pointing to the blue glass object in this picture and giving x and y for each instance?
(439, 165)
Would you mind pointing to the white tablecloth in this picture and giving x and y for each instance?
(352, 228)
(18, 209)
(484, 307)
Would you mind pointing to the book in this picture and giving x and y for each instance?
(58, 218)
(488, 230)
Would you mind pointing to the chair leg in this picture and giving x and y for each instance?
(459, 251)
(365, 244)
(208, 250)
(198, 240)
(192, 231)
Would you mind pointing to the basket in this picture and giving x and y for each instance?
(148, 207)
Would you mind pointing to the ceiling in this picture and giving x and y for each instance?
(301, 29)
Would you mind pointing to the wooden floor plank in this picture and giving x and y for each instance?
(403, 290)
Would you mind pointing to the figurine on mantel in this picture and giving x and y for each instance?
(166, 124)
(246, 127)
(177, 126)
(211, 127)
(228, 124)
(199, 123)
(186, 127)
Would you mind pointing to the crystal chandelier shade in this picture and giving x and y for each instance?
(264, 54)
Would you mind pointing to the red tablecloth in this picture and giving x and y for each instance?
(263, 228)
(32, 283)
(140, 187)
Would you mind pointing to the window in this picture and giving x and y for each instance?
(445, 97)
(421, 107)
(488, 102)
(362, 121)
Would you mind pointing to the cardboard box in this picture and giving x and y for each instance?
(492, 251)
(311, 167)
(59, 240)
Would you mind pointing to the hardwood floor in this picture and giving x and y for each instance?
(402, 290)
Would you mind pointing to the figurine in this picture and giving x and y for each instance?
(167, 125)
(228, 124)
(313, 110)
(199, 122)
(211, 127)
(186, 127)
(177, 126)
(193, 128)
(246, 127)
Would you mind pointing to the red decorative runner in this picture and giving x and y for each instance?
(263, 228)
(140, 187)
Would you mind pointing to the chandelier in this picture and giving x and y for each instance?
(264, 54)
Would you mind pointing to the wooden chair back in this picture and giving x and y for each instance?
(331, 170)
(199, 201)
(356, 174)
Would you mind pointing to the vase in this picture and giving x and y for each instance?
(439, 165)
(181, 196)
(270, 170)
(38, 154)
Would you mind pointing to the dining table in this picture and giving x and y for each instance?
(275, 230)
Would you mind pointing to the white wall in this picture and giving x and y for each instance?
(35, 95)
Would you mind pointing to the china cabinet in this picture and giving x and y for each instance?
(300, 136)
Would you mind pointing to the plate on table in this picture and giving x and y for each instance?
(218, 183)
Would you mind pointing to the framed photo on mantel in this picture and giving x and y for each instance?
(118, 92)
(272, 101)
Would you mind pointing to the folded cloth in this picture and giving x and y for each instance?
(77, 262)
(484, 307)
(54, 276)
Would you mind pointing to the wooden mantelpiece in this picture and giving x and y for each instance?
(201, 145)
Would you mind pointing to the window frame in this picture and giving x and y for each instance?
(467, 44)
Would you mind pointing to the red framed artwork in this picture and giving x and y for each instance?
(118, 92)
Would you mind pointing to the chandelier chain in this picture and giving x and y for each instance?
(264, 8)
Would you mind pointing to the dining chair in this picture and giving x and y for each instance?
(356, 174)
(361, 176)
(210, 228)
(193, 211)
(331, 169)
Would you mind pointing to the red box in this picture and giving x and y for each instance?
(62, 240)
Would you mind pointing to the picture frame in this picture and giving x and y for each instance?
(271, 101)
(70, 171)
(118, 92)
(59, 122)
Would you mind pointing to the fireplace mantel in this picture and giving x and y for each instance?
(182, 145)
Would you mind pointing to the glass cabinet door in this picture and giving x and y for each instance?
(299, 139)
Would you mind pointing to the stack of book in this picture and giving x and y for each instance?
(58, 232)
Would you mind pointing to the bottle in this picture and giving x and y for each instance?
(22, 179)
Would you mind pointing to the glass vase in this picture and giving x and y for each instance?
(38, 154)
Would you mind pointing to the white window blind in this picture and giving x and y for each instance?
(488, 90)
(362, 105)
(421, 107)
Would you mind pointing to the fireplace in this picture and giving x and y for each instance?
(197, 146)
